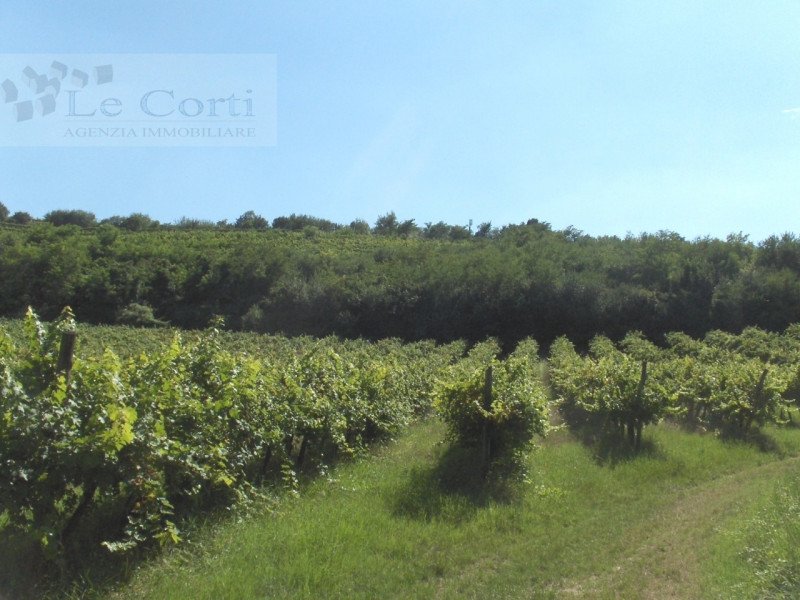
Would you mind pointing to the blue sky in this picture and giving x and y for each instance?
(612, 117)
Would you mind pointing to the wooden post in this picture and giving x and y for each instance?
(759, 391)
(487, 405)
(636, 424)
(301, 455)
(642, 380)
(759, 399)
(66, 352)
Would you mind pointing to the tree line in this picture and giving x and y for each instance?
(303, 275)
(387, 224)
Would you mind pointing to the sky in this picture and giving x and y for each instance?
(611, 117)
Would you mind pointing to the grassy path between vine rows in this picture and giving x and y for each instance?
(410, 521)
(668, 561)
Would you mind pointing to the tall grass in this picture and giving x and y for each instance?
(411, 522)
(756, 553)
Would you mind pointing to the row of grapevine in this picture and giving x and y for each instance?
(635, 383)
(611, 383)
(186, 425)
(498, 405)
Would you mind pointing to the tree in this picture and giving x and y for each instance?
(299, 222)
(386, 224)
(436, 231)
(459, 232)
(484, 230)
(81, 218)
(250, 220)
(115, 220)
(139, 315)
(360, 226)
(20, 218)
(188, 223)
(138, 222)
(3, 212)
(407, 228)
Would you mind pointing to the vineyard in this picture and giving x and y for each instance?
(142, 429)
(726, 382)
(186, 426)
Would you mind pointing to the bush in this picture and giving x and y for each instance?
(81, 218)
(253, 319)
(250, 220)
(20, 218)
(139, 315)
(138, 222)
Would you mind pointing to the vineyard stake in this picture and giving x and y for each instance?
(487, 406)
(66, 352)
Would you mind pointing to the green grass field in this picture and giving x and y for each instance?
(678, 520)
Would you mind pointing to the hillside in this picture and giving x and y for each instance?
(512, 282)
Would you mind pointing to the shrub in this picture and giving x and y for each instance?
(139, 315)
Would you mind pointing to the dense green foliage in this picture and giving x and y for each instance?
(492, 404)
(727, 381)
(185, 426)
(309, 276)
(612, 384)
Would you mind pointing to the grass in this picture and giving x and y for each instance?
(413, 521)
(756, 552)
